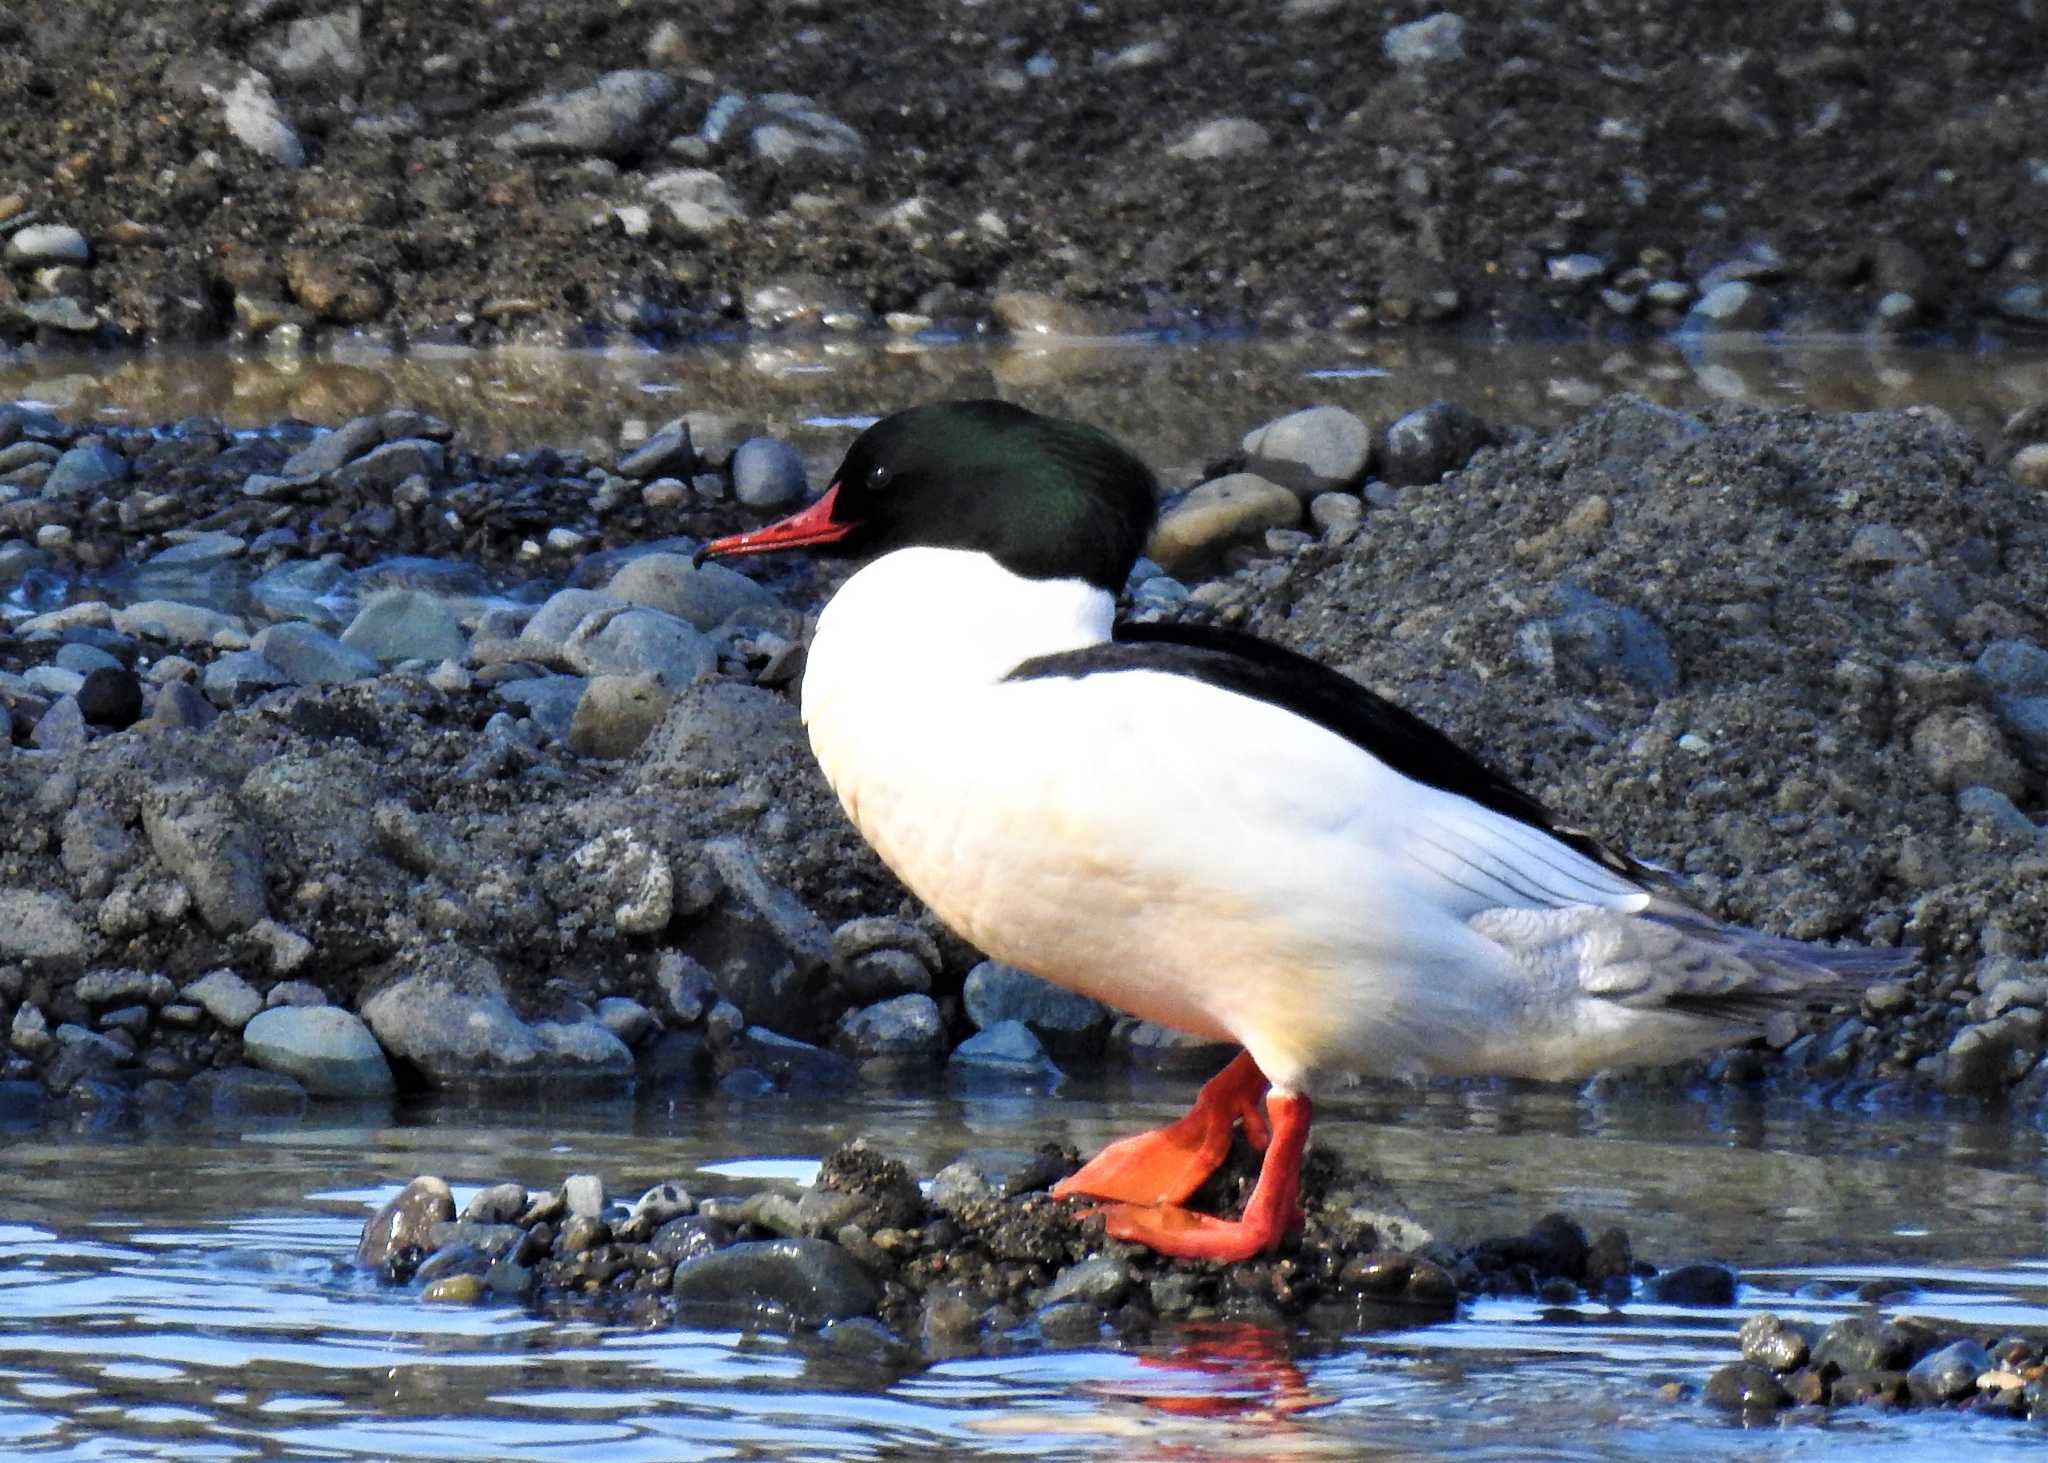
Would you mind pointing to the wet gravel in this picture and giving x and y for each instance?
(400, 174)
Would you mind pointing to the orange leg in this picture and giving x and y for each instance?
(1167, 1164)
(1275, 1205)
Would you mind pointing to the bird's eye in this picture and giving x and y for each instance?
(879, 476)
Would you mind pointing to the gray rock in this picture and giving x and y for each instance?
(180, 707)
(29, 1031)
(1736, 305)
(405, 1222)
(1007, 1050)
(1099, 1280)
(808, 1281)
(380, 470)
(61, 728)
(1698, 1284)
(238, 676)
(550, 700)
(317, 47)
(1150, 1047)
(616, 714)
(609, 118)
(705, 596)
(197, 835)
(86, 470)
(1320, 450)
(406, 624)
(40, 928)
(329, 1051)
(667, 453)
(687, 988)
(789, 919)
(1769, 1342)
(124, 988)
(632, 878)
(65, 313)
(40, 244)
(1997, 811)
(996, 992)
(783, 128)
(305, 656)
(201, 551)
(331, 450)
(1745, 1387)
(447, 1014)
(2026, 304)
(902, 1026)
(1221, 137)
(1430, 441)
(1960, 747)
(1950, 1374)
(2013, 668)
(497, 1204)
(227, 998)
(583, 1195)
(258, 123)
(627, 1019)
(636, 641)
(700, 202)
(175, 622)
(1863, 1344)
(1978, 1058)
(2025, 720)
(247, 1094)
(546, 635)
(297, 993)
(1606, 640)
(767, 473)
(1433, 41)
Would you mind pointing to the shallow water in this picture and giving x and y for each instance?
(187, 1294)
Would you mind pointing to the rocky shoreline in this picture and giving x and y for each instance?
(399, 174)
(349, 760)
(872, 1267)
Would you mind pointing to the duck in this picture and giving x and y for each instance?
(1207, 830)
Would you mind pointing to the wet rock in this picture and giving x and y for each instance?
(615, 715)
(611, 118)
(807, 1281)
(247, 1094)
(1745, 1387)
(767, 473)
(1869, 1389)
(901, 1027)
(333, 450)
(495, 1204)
(1064, 1019)
(381, 470)
(329, 1051)
(1221, 137)
(1193, 534)
(85, 471)
(1950, 1374)
(1006, 1052)
(687, 988)
(1699, 1284)
(406, 1221)
(40, 928)
(1424, 444)
(405, 624)
(1036, 313)
(1770, 1342)
(787, 1064)
(1863, 1344)
(1320, 450)
(1436, 40)
(198, 835)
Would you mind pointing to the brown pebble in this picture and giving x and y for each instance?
(405, 1221)
(455, 1290)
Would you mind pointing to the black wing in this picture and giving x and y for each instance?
(1257, 668)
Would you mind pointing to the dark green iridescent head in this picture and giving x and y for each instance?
(1045, 498)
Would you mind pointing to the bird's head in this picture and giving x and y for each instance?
(1045, 498)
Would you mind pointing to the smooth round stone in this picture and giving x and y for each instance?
(2029, 465)
(902, 1026)
(995, 993)
(110, 696)
(1733, 306)
(406, 624)
(1320, 450)
(638, 641)
(85, 470)
(327, 1049)
(85, 659)
(1700, 1284)
(1424, 444)
(311, 657)
(1008, 1049)
(705, 595)
(767, 473)
(616, 714)
(48, 244)
(810, 1281)
(1193, 535)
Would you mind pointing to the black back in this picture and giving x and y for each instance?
(1257, 668)
(1043, 497)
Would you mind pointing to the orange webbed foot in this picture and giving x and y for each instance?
(1167, 1164)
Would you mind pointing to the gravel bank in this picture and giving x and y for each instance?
(402, 173)
(305, 819)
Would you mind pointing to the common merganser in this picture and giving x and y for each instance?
(1211, 832)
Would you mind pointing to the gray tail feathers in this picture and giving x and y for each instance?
(1738, 974)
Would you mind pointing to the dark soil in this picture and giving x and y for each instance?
(1848, 153)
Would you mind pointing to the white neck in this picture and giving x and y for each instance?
(919, 622)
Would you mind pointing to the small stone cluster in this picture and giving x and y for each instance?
(1864, 1361)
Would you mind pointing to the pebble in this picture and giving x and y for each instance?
(200, 837)
(40, 244)
(907, 1026)
(1193, 534)
(808, 1281)
(85, 471)
(995, 993)
(667, 452)
(258, 123)
(1435, 40)
(616, 714)
(697, 199)
(226, 997)
(1320, 450)
(405, 1221)
(1221, 137)
(767, 473)
(610, 118)
(1036, 313)
(306, 656)
(329, 1051)
(2029, 466)
(1006, 1051)
(1736, 305)
(1423, 445)
(406, 624)
(633, 641)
